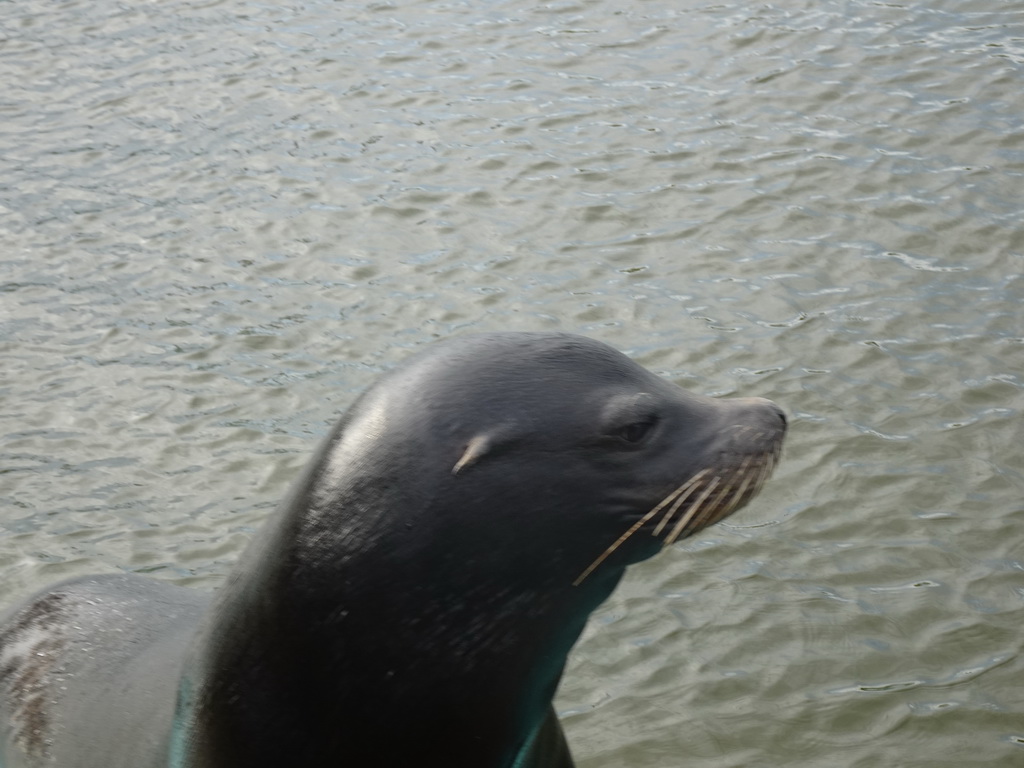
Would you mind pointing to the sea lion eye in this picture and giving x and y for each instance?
(635, 432)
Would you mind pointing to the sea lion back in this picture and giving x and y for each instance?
(88, 666)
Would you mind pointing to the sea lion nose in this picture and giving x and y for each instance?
(765, 411)
(777, 411)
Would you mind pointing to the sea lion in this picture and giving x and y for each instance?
(415, 596)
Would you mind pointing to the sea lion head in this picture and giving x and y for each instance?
(551, 443)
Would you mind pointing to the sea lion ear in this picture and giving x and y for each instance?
(475, 448)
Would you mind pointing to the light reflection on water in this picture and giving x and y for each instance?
(221, 222)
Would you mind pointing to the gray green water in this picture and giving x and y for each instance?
(220, 221)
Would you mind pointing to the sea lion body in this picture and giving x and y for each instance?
(417, 593)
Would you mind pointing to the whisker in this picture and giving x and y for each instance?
(744, 485)
(684, 488)
(692, 511)
(744, 468)
(721, 495)
(727, 500)
(618, 542)
(672, 511)
(689, 486)
(715, 511)
(766, 470)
